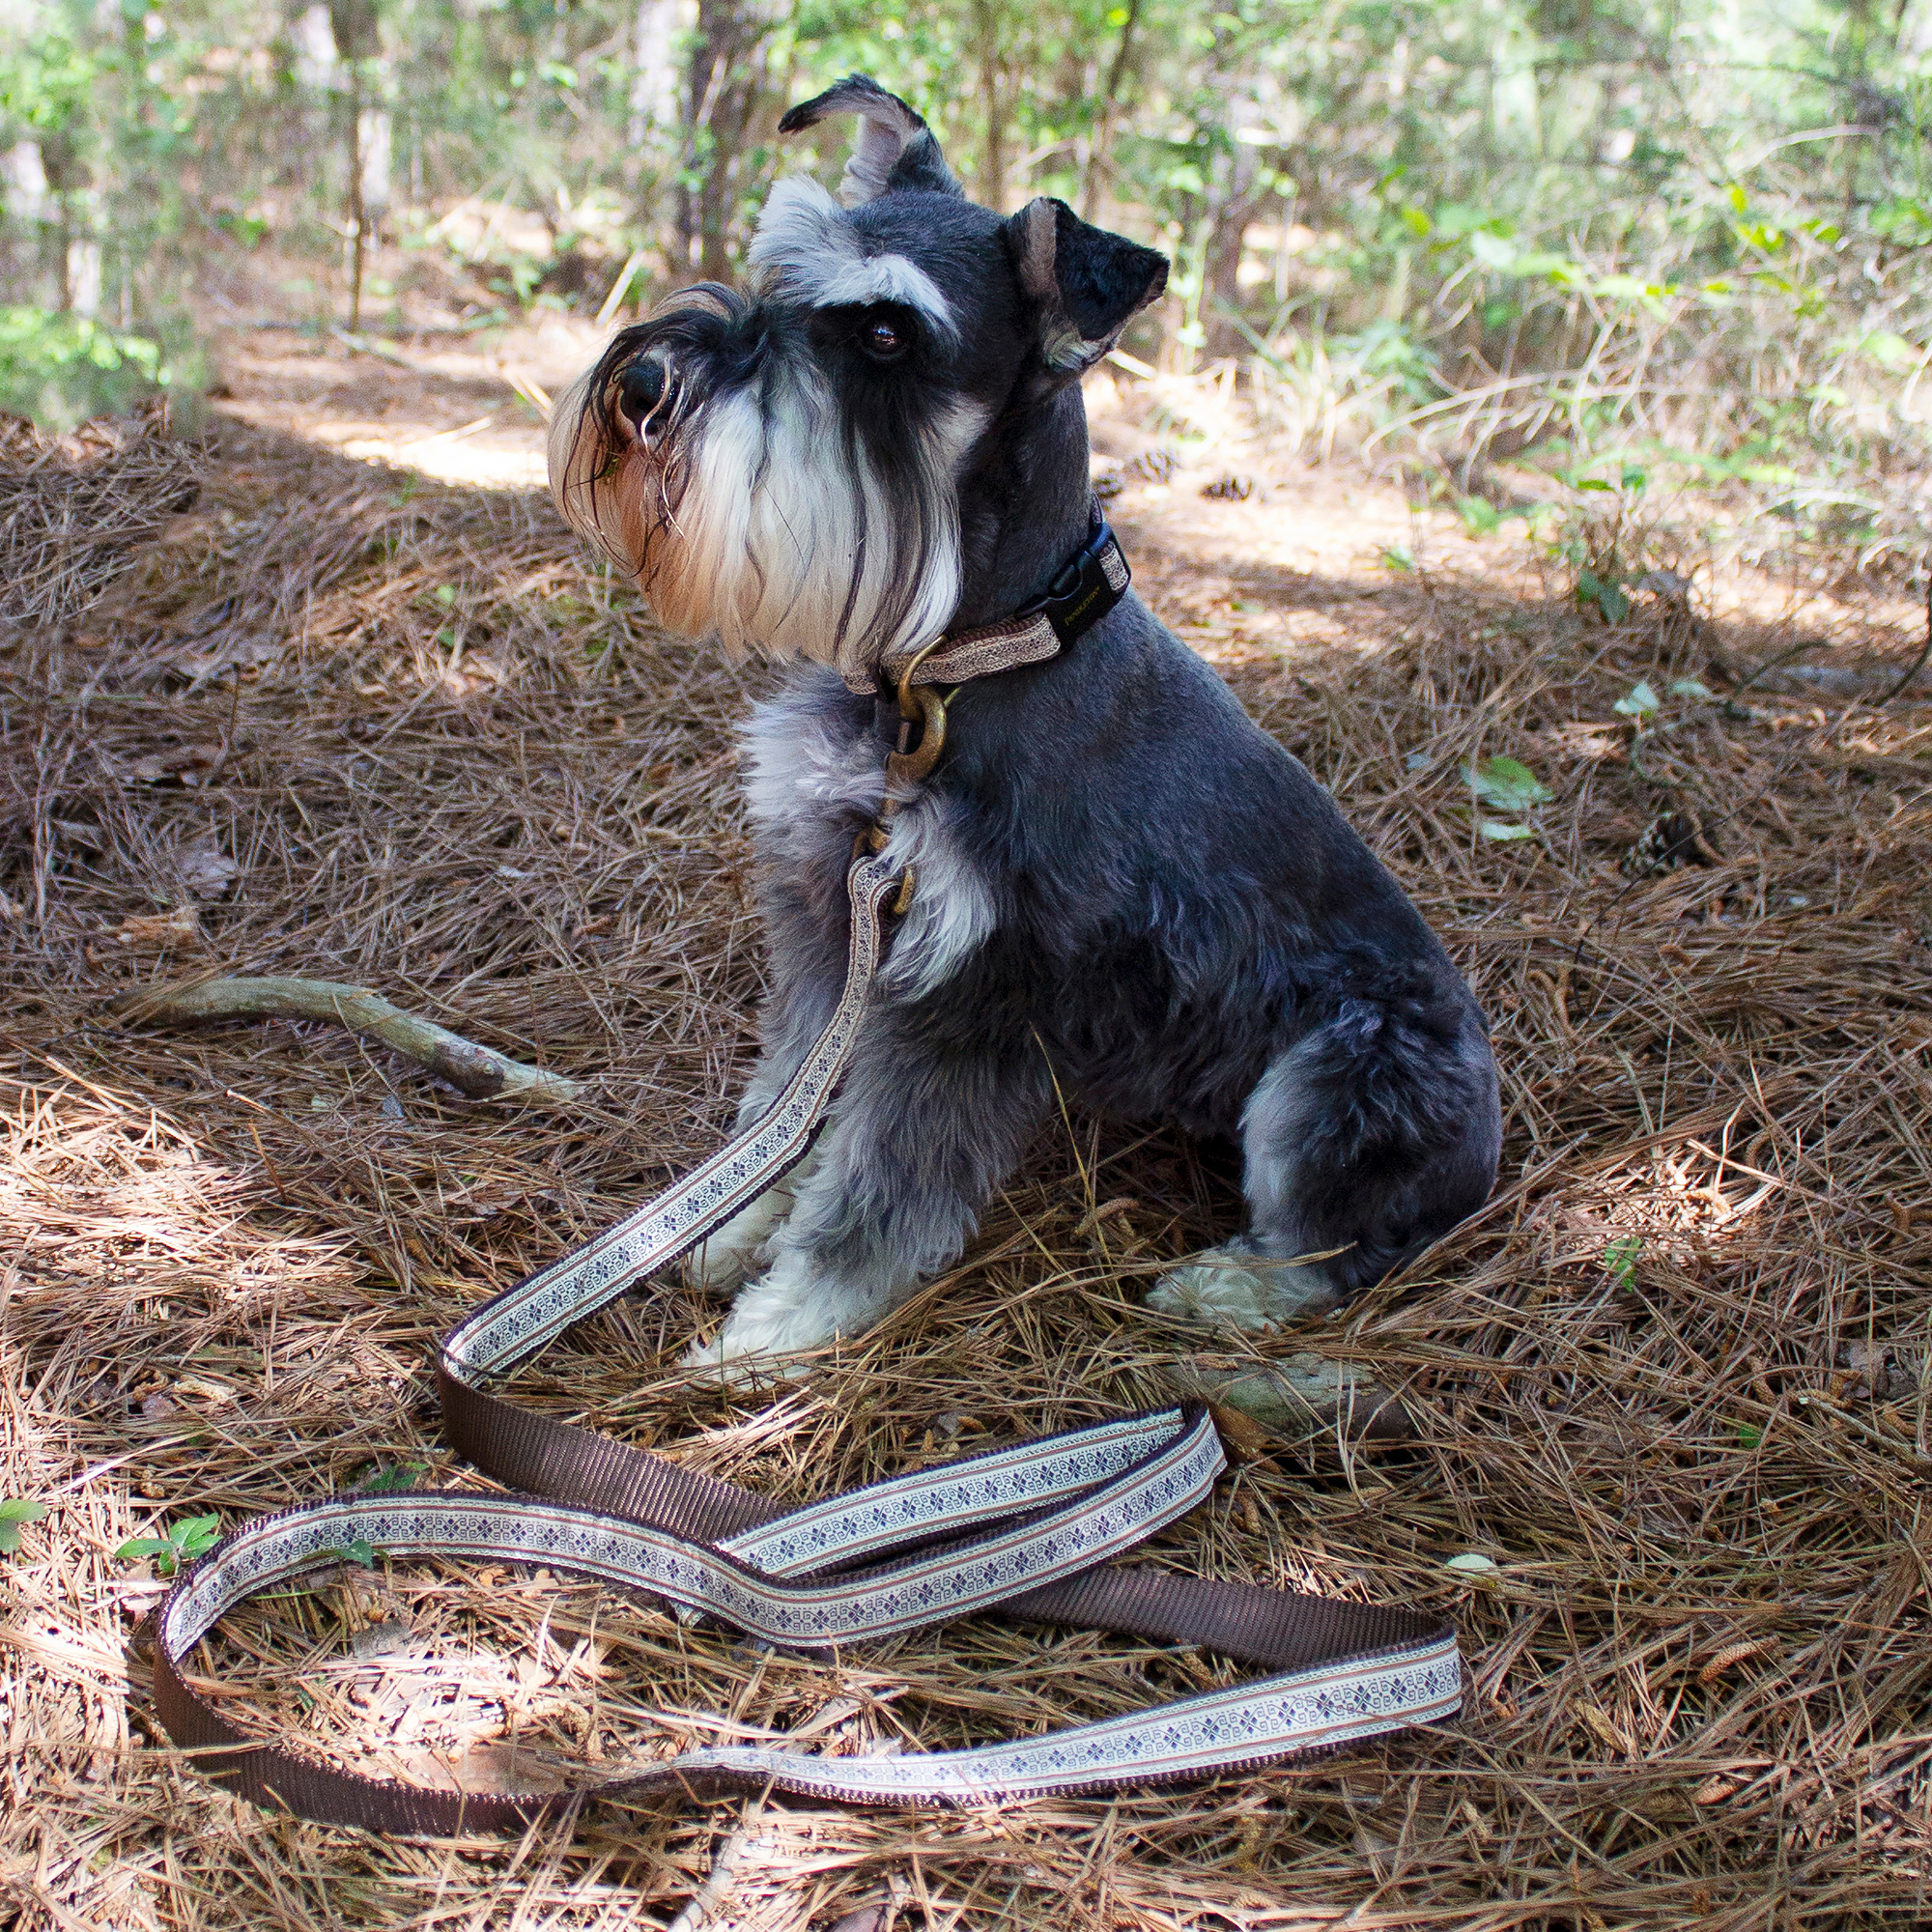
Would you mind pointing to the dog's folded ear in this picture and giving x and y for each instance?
(895, 149)
(1088, 284)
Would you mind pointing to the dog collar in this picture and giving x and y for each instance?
(1094, 578)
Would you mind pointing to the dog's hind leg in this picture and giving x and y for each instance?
(1370, 1137)
(916, 1146)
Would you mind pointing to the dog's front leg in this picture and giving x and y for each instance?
(918, 1141)
(808, 992)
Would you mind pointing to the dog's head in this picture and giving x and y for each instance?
(783, 464)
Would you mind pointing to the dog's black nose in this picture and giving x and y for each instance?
(639, 390)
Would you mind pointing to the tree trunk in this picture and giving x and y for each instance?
(1101, 155)
(992, 182)
(728, 98)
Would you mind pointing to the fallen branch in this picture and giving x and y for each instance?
(476, 1070)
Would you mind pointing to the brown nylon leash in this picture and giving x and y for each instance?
(993, 1526)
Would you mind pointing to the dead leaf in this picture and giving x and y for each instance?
(867, 1919)
(187, 763)
(156, 932)
(208, 871)
(1602, 1726)
(1244, 1437)
(381, 1640)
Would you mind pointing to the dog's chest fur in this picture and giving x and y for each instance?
(814, 772)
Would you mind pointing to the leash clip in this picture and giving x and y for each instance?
(905, 767)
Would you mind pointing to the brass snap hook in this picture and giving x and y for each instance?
(909, 767)
(903, 767)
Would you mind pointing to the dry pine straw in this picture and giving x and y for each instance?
(323, 720)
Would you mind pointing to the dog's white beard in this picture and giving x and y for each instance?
(778, 537)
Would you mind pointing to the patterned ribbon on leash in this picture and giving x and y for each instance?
(1029, 1531)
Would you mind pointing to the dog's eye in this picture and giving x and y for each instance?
(881, 340)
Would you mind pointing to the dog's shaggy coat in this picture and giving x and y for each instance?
(1124, 889)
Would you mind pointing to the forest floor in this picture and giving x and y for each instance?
(334, 693)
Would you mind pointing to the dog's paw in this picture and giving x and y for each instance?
(1238, 1286)
(743, 1352)
(723, 1264)
(783, 1316)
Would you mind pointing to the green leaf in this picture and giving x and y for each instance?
(156, 1546)
(1480, 517)
(1493, 251)
(1507, 783)
(362, 1551)
(1642, 704)
(1691, 686)
(383, 1482)
(1498, 830)
(1620, 1259)
(193, 1536)
(1750, 1435)
(1398, 556)
(14, 1512)
(196, 1535)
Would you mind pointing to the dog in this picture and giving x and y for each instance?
(1126, 895)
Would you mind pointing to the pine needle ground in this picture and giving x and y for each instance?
(268, 710)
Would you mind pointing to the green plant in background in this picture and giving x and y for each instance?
(1693, 237)
(60, 369)
(192, 1537)
(1620, 1259)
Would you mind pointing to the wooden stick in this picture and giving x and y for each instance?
(476, 1070)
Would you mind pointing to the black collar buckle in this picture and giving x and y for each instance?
(1095, 580)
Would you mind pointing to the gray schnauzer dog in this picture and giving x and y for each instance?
(1127, 895)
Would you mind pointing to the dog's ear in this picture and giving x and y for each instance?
(1088, 284)
(894, 149)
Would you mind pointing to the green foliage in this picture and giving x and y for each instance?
(1641, 706)
(1507, 785)
(60, 369)
(386, 1481)
(1617, 229)
(362, 1551)
(192, 1537)
(1606, 593)
(1480, 517)
(1620, 1259)
(14, 1512)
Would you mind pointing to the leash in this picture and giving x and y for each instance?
(1029, 1531)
